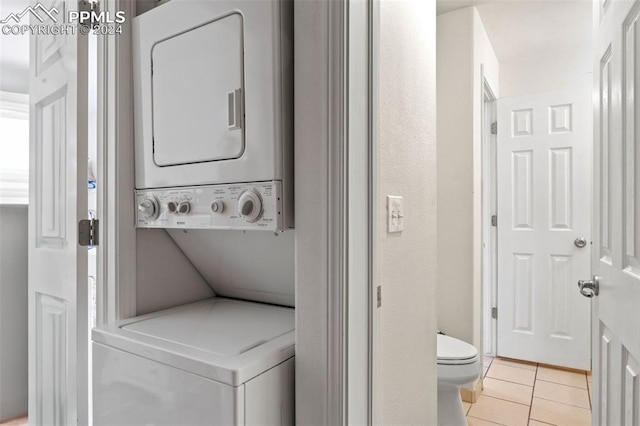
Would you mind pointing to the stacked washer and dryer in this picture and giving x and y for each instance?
(213, 126)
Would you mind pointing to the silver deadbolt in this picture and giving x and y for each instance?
(589, 288)
(580, 242)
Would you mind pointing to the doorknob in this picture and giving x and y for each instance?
(580, 242)
(589, 288)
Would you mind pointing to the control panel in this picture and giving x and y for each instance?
(234, 206)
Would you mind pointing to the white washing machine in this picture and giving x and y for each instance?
(216, 362)
(213, 95)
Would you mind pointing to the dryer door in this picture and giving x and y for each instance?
(197, 84)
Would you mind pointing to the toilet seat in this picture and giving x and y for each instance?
(452, 351)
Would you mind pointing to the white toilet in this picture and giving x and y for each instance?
(458, 365)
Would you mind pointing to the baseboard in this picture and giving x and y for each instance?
(472, 394)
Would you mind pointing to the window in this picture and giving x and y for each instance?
(14, 148)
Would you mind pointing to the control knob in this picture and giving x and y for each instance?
(217, 206)
(250, 206)
(149, 208)
(184, 207)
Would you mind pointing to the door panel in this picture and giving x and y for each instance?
(616, 323)
(58, 322)
(544, 159)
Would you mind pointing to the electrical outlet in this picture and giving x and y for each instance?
(395, 214)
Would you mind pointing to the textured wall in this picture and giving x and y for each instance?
(407, 261)
(463, 47)
(548, 72)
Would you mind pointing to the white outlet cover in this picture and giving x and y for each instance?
(395, 214)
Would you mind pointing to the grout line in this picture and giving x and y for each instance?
(517, 383)
(505, 400)
(484, 420)
(589, 393)
(516, 364)
(533, 391)
(563, 403)
(564, 384)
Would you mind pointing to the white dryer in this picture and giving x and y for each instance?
(215, 362)
(213, 94)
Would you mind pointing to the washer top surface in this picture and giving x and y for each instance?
(455, 351)
(225, 327)
(226, 340)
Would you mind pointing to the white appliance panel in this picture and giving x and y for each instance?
(238, 206)
(133, 390)
(266, 94)
(203, 68)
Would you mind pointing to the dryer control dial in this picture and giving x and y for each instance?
(149, 208)
(184, 207)
(217, 206)
(250, 206)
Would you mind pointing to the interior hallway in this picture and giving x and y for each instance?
(521, 393)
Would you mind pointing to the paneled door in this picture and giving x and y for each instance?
(58, 320)
(616, 250)
(544, 244)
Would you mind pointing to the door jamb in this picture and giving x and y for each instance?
(116, 254)
(489, 208)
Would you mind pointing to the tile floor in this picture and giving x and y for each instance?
(522, 393)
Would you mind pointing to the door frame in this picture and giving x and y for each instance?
(336, 294)
(489, 208)
(332, 228)
(116, 253)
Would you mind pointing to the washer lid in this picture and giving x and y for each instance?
(452, 350)
(225, 340)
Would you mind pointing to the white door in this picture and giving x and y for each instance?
(544, 204)
(58, 323)
(616, 250)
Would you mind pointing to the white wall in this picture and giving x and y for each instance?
(13, 312)
(164, 275)
(544, 72)
(407, 374)
(463, 47)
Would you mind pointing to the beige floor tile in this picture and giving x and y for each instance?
(559, 414)
(507, 390)
(562, 393)
(512, 374)
(473, 421)
(500, 411)
(466, 406)
(484, 371)
(537, 423)
(563, 377)
(517, 363)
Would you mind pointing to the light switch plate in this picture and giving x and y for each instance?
(395, 214)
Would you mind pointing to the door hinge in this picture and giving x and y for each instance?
(494, 220)
(88, 232)
(90, 19)
(379, 291)
(494, 313)
(494, 128)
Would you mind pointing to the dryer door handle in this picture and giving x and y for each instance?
(234, 109)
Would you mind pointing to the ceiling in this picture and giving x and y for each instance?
(14, 53)
(531, 26)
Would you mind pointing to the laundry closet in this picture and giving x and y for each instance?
(213, 339)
